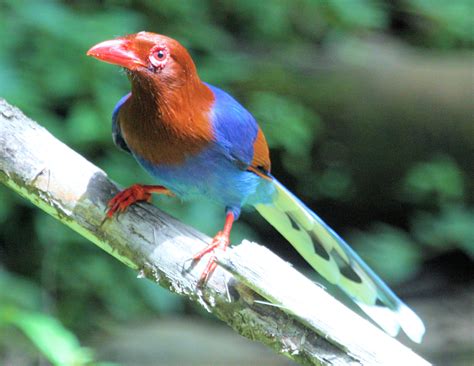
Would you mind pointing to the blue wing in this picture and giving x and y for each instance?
(116, 133)
(234, 127)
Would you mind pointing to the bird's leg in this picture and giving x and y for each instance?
(221, 241)
(132, 194)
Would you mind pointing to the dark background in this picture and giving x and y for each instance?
(367, 106)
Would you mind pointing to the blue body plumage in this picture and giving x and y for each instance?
(212, 172)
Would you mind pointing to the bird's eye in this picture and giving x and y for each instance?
(158, 56)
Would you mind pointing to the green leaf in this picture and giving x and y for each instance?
(448, 21)
(19, 291)
(452, 227)
(440, 178)
(56, 343)
(360, 13)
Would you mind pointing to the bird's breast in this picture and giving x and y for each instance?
(164, 140)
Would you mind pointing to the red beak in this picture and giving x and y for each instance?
(118, 52)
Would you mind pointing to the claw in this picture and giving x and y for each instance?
(136, 193)
(220, 241)
(208, 271)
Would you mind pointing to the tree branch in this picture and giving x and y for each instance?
(305, 323)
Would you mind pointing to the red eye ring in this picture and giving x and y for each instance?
(158, 56)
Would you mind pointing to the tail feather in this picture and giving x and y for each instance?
(332, 257)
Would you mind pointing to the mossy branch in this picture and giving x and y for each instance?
(304, 322)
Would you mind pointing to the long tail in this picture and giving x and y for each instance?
(332, 257)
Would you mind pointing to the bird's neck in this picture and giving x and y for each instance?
(167, 123)
(174, 109)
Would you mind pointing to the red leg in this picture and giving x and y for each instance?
(221, 241)
(132, 194)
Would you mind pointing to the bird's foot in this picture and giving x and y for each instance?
(220, 241)
(137, 192)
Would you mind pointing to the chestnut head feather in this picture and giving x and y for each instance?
(166, 117)
(149, 55)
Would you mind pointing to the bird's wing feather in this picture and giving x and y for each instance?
(234, 127)
(116, 133)
(261, 156)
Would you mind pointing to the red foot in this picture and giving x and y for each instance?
(221, 241)
(133, 194)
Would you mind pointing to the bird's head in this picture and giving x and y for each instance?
(149, 55)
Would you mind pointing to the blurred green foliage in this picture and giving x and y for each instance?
(304, 69)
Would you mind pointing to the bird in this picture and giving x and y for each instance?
(196, 140)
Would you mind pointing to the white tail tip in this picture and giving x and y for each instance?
(411, 324)
(383, 316)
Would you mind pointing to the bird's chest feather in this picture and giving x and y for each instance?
(151, 137)
(189, 165)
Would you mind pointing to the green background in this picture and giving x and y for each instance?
(367, 107)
